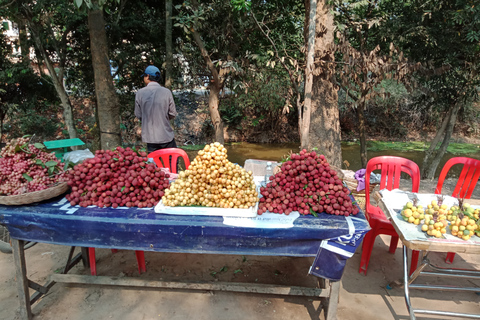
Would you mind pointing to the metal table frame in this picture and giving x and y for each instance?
(329, 290)
(426, 268)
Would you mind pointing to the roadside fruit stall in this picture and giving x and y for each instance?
(120, 200)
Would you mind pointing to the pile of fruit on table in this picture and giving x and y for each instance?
(306, 183)
(120, 177)
(212, 181)
(124, 177)
(437, 219)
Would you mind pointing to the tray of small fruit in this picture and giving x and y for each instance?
(439, 220)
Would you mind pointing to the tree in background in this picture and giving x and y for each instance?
(214, 28)
(50, 24)
(325, 120)
(312, 87)
(23, 96)
(131, 47)
(136, 39)
(280, 46)
(168, 44)
(364, 60)
(445, 36)
(108, 108)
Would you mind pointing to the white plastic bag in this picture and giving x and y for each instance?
(78, 155)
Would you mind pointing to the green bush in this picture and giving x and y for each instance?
(30, 122)
(262, 103)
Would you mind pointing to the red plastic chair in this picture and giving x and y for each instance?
(391, 169)
(465, 184)
(140, 255)
(168, 158)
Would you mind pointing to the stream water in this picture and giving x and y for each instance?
(238, 153)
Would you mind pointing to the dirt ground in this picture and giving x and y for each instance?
(361, 297)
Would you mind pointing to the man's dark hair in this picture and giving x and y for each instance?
(157, 77)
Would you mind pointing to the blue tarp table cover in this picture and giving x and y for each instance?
(330, 239)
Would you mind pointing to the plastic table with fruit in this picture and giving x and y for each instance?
(330, 239)
(415, 238)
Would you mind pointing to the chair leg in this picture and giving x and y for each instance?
(140, 255)
(393, 244)
(367, 248)
(450, 257)
(414, 263)
(140, 261)
(93, 264)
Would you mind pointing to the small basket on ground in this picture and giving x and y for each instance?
(352, 183)
(36, 196)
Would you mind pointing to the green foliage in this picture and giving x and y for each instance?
(30, 121)
(241, 5)
(232, 37)
(261, 101)
(23, 95)
(231, 113)
(441, 34)
(192, 147)
(93, 4)
(419, 146)
(136, 36)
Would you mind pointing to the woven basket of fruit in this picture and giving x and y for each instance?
(352, 185)
(29, 174)
(36, 196)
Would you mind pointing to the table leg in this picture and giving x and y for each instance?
(72, 261)
(405, 284)
(331, 308)
(424, 263)
(22, 280)
(86, 262)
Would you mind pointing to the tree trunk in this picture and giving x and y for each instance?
(307, 106)
(215, 88)
(57, 83)
(214, 114)
(22, 38)
(168, 44)
(107, 102)
(2, 118)
(363, 134)
(432, 156)
(325, 119)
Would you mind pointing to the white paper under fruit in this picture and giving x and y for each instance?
(207, 211)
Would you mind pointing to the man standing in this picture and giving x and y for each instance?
(155, 107)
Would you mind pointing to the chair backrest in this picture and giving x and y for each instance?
(167, 158)
(391, 169)
(466, 181)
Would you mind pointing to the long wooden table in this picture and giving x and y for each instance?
(328, 238)
(414, 239)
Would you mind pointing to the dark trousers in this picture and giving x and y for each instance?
(157, 146)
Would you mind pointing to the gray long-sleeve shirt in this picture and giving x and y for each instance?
(155, 107)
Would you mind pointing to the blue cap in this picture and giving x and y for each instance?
(152, 71)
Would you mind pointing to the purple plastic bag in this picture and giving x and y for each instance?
(360, 176)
